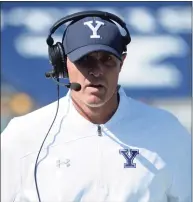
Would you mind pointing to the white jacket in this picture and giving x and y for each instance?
(143, 154)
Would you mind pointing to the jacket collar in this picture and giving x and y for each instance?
(121, 112)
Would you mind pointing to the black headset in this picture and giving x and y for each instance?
(56, 52)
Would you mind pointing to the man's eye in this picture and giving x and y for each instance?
(109, 57)
(83, 59)
(86, 58)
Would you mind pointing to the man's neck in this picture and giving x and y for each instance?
(97, 115)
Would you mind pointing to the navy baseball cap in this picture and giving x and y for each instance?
(92, 34)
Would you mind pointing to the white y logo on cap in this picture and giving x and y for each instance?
(94, 29)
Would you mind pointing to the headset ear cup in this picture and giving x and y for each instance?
(62, 58)
(51, 55)
(57, 58)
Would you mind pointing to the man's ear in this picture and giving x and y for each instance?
(124, 55)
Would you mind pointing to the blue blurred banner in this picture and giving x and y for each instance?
(158, 64)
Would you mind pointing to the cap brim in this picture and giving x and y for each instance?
(82, 51)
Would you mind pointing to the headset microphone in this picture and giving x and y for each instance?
(73, 85)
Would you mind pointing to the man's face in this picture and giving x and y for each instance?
(97, 73)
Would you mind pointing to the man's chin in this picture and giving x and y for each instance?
(94, 103)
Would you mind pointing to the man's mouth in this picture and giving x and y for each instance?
(96, 86)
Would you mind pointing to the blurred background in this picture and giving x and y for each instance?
(158, 69)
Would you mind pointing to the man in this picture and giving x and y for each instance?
(103, 146)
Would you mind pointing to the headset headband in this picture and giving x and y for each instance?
(80, 15)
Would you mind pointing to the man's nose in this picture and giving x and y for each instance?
(96, 70)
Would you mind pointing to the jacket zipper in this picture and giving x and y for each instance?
(99, 130)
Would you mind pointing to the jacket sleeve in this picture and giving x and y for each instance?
(180, 189)
(10, 162)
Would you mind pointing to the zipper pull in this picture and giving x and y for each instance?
(99, 130)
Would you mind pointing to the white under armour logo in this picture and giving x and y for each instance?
(94, 29)
(65, 162)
